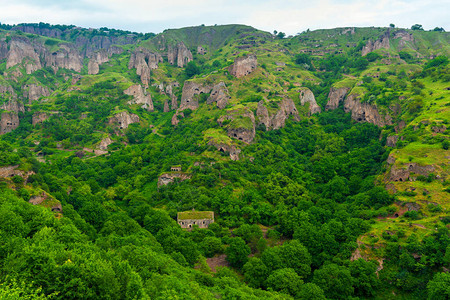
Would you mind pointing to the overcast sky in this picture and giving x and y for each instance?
(289, 16)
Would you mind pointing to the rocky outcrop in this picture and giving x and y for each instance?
(190, 90)
(20, 48)
(166, 106)
(167, 178)
(13, 106)
(241, 125)
(100, 57)
(201, 50)
(391, 141)
(67, 57)
(174, 102)
(403, 35)
(33, 92)
(364, 112)
(176, 118)
(306, 96)
(336, 96)
(140, 96)
(105, 143)
(7, 92)
(381, 42)
(9, 121)
(179, 54)
(231, 149)
(408, 171)
(124, 119)
(144, 61)
(3, 50)
(219, 95)
(286, 108)
(243, 66)
(39, 117)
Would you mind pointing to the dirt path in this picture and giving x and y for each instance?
(217, 261)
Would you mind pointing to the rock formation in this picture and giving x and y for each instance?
(201, 50)
(167, 178)
(243, 66)
(176, 118)
(190, 90)
(174, 102)
(140, 96)
(364, 112)
(335, 97)
(144, 61)
(381, 42)
(286, 108)
(105, 143)
(9, 121)
(67, 57)
(405, 174)
(33, 92)
(166, 106)
(19, 49)
(179, 54)
(233, 150)
(241, 126)
(39, 117)
(124, 119)
(100, 57)
(7, 92)
(306, 96)
(13, 106)
(219, 94)
(391, 141)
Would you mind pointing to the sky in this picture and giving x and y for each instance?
(289, 16)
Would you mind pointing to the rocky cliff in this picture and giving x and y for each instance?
(306, 96)
(336, 96)
(179, 54)
(167, 178)
(140, 96)
(243, 66)
(20, 48)
(277, 120)
(190, 90)
(231, 149)
(144, 61)
(241, 125)
(381, 42)
(67, 57)
(9, 121)
(219, 95)
(39, 117)
(7, 92)
(100, 57)
(363, 112)
(124, 119)
(13, 106)
(33, 92)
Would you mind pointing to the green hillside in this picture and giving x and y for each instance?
(324, 158)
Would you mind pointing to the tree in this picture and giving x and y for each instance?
(192, 69)
(335, 281)
(311, 291)
(211, 245)
(255, 272)
(440, 29)
(392, 25)
(417, 27)
(365, 280)
(281, 35)
(439, 287)
(285, 281)
(237, 253)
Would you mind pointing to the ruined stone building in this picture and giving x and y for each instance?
(175, 168)
(187, 219)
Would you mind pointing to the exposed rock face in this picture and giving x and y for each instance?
(179, 54)
(278, 120)
(93, 67)
(175, 119)
(242, 125)
(141, 96)
(124, 119)
(439, 129)
(243, 66)
(363, 112)
(67, 57)
(9, 122)
(105, 143)
(39, 117)
(219, 94)
(144, 61)
(19, 49)
(190, 89)
(403, 35)
(381, 42)
(335, 97)
(50, 32)
(101, 57)
(405, 174)
(3, 50)
(166, 106)
(306, 96)
(174, 102)
(13, 105)
(391, 141)
(167, 178)
(33, 92)
(234, 152)
(7, 92)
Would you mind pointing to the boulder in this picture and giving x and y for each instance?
(124, 119)
(140, 96)
(219, 94)
(391, 141)
(9, 121)
(243, 66)
(336, 96)
(306, 96)
(190, 90)
(179, 54)
(7, 92)
(39, 117)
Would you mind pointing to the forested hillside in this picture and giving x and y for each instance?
(324, 158)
